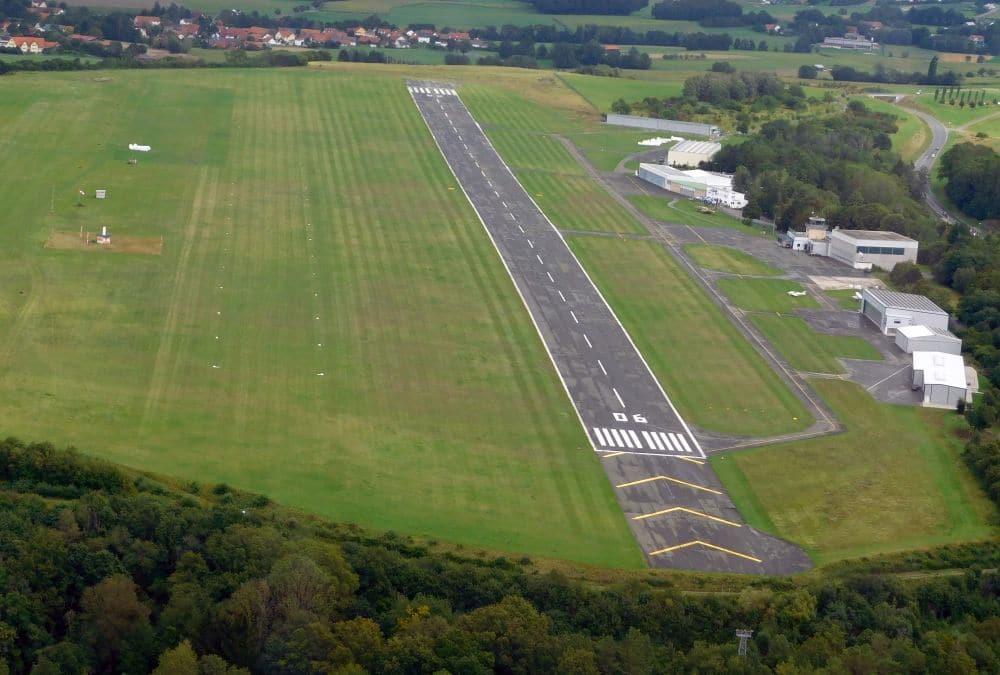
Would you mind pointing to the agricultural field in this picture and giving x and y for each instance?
(955, 115)
(808, 350)
(299, 333)
(731, 260)
(765, 295)
(710, 370)
(893, 481)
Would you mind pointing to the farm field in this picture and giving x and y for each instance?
(893, 481)
(708, 368)
(725, 259)
(765, 295)
(299, 334)
(809, 350)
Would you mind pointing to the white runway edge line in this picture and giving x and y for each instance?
(673, 408)
(489, 144)
(510, 274)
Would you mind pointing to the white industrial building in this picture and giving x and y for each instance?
(944, 379)
(890, 310)
(656, 124)
(862, 249)
(714, 188)
(926, 339)
(692, 153)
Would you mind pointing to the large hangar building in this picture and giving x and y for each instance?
(692, 153)
(715, 188)
(891, 311)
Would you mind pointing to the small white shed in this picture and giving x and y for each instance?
(927, 339)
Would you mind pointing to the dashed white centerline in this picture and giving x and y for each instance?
(619, 397)
(539, 259)
(573, 314)
(550, 277)
(602, 367)
(520, 228)
(530, 245)
(494, 192)
(563, 297)
(504, 203)
(587, 340)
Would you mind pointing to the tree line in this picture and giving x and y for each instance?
(125, 573)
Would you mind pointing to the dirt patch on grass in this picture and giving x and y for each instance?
(948, 57)
(72, 241)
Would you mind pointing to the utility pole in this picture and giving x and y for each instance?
(744, 635)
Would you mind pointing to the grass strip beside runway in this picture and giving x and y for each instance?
(893, 481)
(808, 350)
(708, 368)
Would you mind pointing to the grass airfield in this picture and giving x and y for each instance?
(328, 323)
(308, 227)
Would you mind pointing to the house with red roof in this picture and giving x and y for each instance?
(31, 45)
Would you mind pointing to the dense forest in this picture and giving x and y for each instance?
(972, 173)
(840, 166)
(109, 571)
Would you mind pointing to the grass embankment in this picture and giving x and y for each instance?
(327, 324)
(893, 481)
(725, 259)
(710, 370)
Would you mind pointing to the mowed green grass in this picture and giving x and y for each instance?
(810, 350)
(765, 295)
(328, 323)
(845, 298)
(707, 367)
(732, 260)
(893, 481)
(558, 184)
(684, 211)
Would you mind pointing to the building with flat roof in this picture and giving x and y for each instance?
(926, 339)
(714, 188)
(851, 41)
(943, 378)
(890, 310)
(676, 126)
(864, 249)
(692, 153)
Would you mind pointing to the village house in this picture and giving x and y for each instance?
(144, 23)
(31, 45)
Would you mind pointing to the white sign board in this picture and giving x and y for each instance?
(100, 194)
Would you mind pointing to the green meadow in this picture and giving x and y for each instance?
(892, 481)
(327, 324)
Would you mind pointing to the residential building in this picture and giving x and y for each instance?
(851, 41)
(30, 44)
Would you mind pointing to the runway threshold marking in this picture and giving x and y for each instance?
(708, 545)
(686, 510)
(667, 478)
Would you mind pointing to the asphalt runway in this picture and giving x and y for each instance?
(671, 496)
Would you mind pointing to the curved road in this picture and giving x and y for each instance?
(925, 162)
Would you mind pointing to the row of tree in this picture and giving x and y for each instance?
(132, 575)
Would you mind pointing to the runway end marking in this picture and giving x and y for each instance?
(686, 510)
(692, 460)
(672, 480)
(705, 543)
(613, 454)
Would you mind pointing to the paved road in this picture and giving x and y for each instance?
(926, 161)
(672, 498)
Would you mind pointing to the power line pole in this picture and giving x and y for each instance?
(744, 635)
